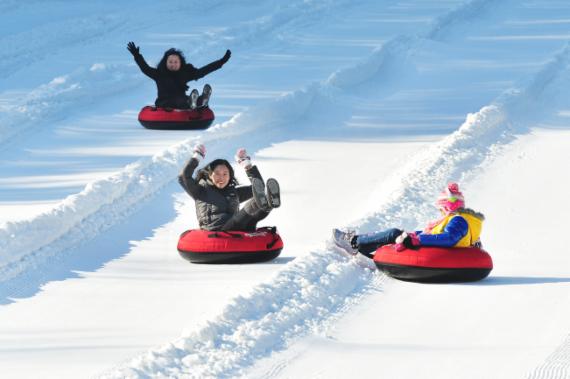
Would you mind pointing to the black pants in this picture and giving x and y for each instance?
(247, 218)
(177, 102)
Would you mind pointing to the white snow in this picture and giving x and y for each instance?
(504, 327)
(362, 110)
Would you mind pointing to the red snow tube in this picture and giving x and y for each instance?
(175, 119)
(204, 246)
(434, 264)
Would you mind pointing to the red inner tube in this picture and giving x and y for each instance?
(165, 118)
(435, 257)
(434, 264)
(150, 113)
(203, 246)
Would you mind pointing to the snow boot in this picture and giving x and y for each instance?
(273, 193)
(205, 97)
(345, 240)
(259, 196)
(193, 99)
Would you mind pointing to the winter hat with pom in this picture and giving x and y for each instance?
(450, 199)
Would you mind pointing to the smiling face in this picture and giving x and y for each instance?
(173, 62)
(220, 176)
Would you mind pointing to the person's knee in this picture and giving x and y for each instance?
(394, 233)
(367, 249)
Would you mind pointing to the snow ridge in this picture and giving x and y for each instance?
(463, 13)
(398, 50)
(51, 102)
(231, 341)
(557, 365)
(51, 38)
(284, 14)
(461, 153)
(80, 217)
(326, 282)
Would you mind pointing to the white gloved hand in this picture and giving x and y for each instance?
(401, 237)
(242, 158)
(199, 152)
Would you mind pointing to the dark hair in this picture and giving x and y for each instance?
(205, 172)
(162, 64)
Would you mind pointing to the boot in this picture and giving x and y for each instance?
(273, 193)
(259, 196)
(193, 99)
(205, 97)
(345, 240)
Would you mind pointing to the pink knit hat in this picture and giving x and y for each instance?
(450, 199)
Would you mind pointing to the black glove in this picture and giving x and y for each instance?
(133, 49)
(226, 56)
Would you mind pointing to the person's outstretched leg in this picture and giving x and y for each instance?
(381, 238)
(257, 208)
(365, 244)
(368, 243)
(255, 218)
(247, 218)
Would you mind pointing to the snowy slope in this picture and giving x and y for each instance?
(230, 341)
(372, 93)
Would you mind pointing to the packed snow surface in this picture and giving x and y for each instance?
(363, 110)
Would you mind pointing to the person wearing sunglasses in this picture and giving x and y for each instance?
(458, 226)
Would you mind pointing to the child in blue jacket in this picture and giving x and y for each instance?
(458, 227)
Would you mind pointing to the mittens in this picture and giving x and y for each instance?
(226, 56)
(199, 152)
(407, 241)
(242, 158)
(133, 49)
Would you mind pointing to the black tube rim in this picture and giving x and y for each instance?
(234, 257)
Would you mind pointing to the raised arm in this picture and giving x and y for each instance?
(243, 159)
(145, 68)
(193, 73)
(185, 178)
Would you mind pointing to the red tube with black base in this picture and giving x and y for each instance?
(175, 119)
(434, 264)
(203, 246)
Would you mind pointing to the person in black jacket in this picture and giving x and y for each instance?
(172, 74)
(218, 195)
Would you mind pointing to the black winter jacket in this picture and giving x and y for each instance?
(214, 206)
(171, 85)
